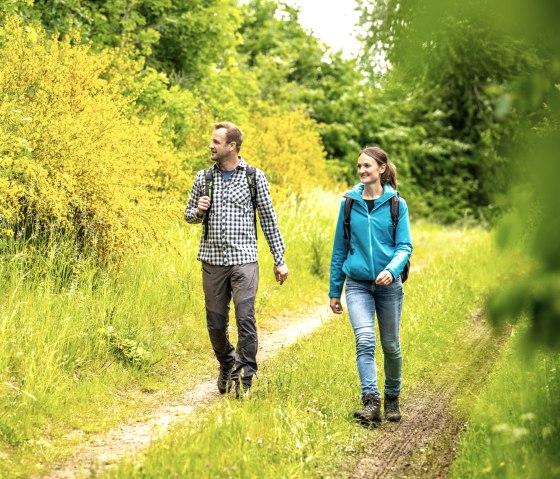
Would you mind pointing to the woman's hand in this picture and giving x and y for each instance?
(385, 278)
(336, 306)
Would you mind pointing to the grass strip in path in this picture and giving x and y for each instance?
(424, 443)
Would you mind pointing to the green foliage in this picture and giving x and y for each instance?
(533, 225)
(128, 350)
(450, 68)
(182, 38)
(9, 435)
(283, 56)
(514, 431)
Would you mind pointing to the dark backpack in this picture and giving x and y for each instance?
(251, 173)
(394, 207)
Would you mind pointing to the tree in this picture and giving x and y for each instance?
(449, 60)
(284, 57)
(184, 39)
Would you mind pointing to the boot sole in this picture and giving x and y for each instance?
(227, 389)
(368, 421)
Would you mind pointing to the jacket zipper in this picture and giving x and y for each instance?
(370, 243)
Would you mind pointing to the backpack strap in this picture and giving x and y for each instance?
(208, 191)
(346, 224)
(394, 205)
(251, 173)
(395, 220)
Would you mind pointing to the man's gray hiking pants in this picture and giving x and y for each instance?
(220, 284)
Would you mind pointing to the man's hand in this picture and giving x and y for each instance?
(336, 306)
(203, 205)
(281, 273)
(385, 278)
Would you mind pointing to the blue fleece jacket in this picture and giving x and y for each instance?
(371, 239)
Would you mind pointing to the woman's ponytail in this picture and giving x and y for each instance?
(389, 175)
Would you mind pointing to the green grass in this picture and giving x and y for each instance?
(60, 374)
(59, 371)
(514, 431)
(298, 421)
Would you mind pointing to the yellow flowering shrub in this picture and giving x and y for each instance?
(288, 148)
(79, 155)
(73, 156)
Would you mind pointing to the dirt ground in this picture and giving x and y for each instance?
(424, 444)
(105, 450)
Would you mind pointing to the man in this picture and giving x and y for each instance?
(228, 252)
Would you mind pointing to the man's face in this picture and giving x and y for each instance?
(219, 149)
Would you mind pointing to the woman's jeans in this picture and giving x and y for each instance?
(366, 300)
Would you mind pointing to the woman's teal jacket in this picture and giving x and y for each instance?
(371, 240)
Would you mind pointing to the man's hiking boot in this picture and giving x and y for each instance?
(371, 413)
(241, 390)
(391, 407)
(224, 379)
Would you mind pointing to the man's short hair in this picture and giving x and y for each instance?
(233, 133)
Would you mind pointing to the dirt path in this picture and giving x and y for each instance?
(424, 443)
(125, 440)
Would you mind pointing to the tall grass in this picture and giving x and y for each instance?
(514, 430)
(298, 422)
(66, 324)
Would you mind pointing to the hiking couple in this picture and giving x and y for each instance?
(371, 250)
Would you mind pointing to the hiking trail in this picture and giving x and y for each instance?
(104, 450)
(424, 443)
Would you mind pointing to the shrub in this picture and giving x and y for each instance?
(73, 155)
(288, 147)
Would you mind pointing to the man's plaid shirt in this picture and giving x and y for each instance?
(231, 230)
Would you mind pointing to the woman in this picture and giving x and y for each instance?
(370, 256)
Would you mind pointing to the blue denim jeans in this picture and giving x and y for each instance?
(366, 301)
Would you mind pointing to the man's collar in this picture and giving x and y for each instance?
(240, 166)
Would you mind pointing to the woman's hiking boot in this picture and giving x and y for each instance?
(371, 413)
(391, 407)
(224, 379)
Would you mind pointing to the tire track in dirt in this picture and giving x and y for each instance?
(105, 450)
(424, 443)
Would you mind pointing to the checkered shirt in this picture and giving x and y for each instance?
(231, 230)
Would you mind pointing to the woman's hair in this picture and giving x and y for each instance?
(389, 176)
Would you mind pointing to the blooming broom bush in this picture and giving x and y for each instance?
(74, 158)
(98, 148)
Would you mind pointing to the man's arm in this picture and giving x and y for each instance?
(269, 224)
(270, 228)
(192, 212)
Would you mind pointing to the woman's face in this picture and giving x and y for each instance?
(369, 170)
